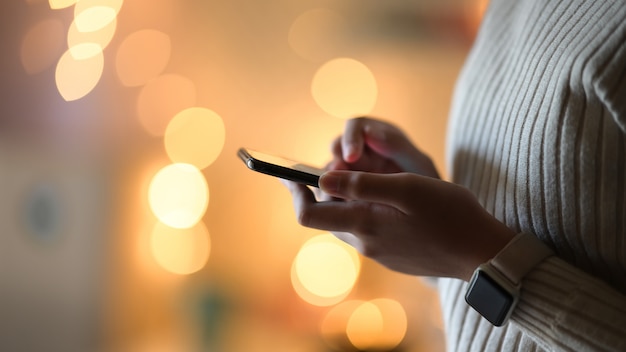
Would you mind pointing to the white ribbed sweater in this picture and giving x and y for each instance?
(538, 133)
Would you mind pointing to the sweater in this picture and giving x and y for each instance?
(537, 131)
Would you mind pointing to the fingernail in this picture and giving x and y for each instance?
(377, 134)
(348, 153)
(330, 183)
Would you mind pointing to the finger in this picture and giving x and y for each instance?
(396, 190)
(300, 193)
(354, 217)
(336, 148)
(352, 141)
(327, 216)
(390, 142)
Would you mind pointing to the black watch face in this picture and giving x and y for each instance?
(489, 299)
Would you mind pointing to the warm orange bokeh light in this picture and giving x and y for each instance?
(345, 88)
(94, 18)
(365, 326)
(313, 34)
(161, 99)
(380, 324)
(101, 37)
(61, 4)
(76, 77)
(195, 136)
(325, 270)
(42, 45)
(180, 251)
(179, 195)
(82, 5)
(394, 323)
(333, 326)
(142, 56)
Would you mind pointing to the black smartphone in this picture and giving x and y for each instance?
(280, 167)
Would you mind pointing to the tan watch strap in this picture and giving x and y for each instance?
(520, 256)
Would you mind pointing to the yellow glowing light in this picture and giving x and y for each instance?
(313, 35)
(365, 326)
(142, 56)
(102, 37)
(195, 136)
(325, 270)
(345, 88)
(333, 326)
(161, 99)
(76, 77)
(94, 18)
(61, 4)
(179, 195)
(85, 51)
(83, 5)
(394, 323)
(42, 45)
(180, 251)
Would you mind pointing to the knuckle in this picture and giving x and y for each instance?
(370, 251)
(304, 216)
(356, 185)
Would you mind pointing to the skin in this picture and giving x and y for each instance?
(384, 197)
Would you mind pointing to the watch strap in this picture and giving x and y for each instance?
(520, 256)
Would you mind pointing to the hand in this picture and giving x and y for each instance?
(409, 223)
(376, 146)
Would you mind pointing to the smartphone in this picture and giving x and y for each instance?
(280, 167)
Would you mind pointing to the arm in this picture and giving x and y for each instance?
(424, 226)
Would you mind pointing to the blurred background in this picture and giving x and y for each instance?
(127, 223)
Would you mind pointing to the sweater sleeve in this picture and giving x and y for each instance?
(567, 309)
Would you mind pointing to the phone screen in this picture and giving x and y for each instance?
(280, 167)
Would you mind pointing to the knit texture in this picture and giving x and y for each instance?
(538, 132)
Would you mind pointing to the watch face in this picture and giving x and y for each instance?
(489, 298)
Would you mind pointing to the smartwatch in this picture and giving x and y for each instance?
(494, 288)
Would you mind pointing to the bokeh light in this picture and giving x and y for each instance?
(365, 326)
(161, 99)
(333, 326)
(195, 136)
(314, 34)
(42, 45)
(394, 323)
(345, 88)
(85, 51)
(180, 251)
(178, 195)
(379, 324)
(79, 71)
(101, 37)
(82, 5)
(61, 4)
(142, 56)
(94, 18)
(325, 270)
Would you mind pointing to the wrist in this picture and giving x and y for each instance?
(494, 288)
(486, 248)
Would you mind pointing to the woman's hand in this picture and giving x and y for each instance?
(375, 146)
(410, 223)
